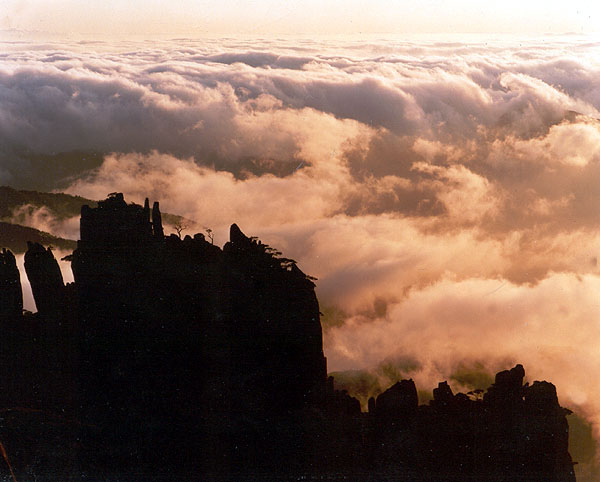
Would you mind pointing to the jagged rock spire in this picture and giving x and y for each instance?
(443, 393)
(11, 295)
(236, 235)
(46, 279)
(157, 226)
(147, 210)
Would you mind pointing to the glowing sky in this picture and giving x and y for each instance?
(120, 18)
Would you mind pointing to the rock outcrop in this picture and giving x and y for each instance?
(11, 295)
(46, 281)
(172, 357)
(516, 432)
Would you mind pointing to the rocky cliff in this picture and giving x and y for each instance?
(172, 357)
(11, 297)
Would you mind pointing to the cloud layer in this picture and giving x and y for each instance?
(443, 192)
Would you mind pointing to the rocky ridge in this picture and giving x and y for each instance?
(173, 357)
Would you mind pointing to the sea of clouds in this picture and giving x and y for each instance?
(444, 192)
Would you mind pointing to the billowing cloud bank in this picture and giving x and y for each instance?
(444, 193)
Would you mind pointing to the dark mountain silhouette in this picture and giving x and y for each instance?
(171, 357)
(15, 238)
(61, 205)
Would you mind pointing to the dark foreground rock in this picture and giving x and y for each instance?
(171, 357)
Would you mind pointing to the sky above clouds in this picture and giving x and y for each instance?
(120, 18)
(443, 189)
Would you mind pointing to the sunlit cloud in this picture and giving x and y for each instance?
(444, 194)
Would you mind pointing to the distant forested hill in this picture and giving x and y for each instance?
(62, 206)
(15, 237)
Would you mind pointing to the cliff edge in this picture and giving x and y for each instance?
(173, 357)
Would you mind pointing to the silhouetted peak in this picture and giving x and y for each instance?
(510, 378)
(114, 223)
(443, 393)
(236, 236)
(400, 399)
(45, 278)
(7, 258)
(507, 387)
(157, 227)
(11, 297)
(147, 209)
(541, 395)
(37, 250)
(115, 200)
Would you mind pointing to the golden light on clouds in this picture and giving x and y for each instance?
(443, 190)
